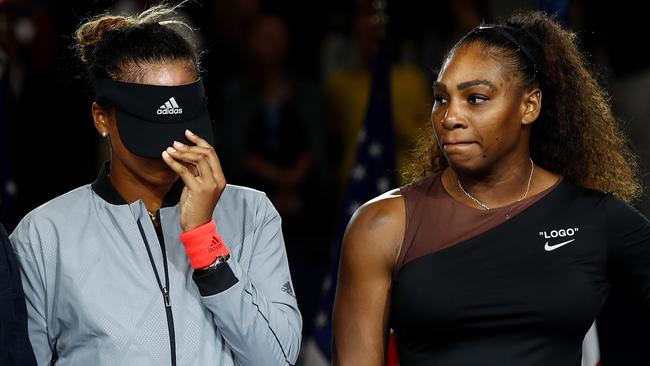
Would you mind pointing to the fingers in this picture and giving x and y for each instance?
(186, 175)
(196, 139)
(194, 156)
(214, 162)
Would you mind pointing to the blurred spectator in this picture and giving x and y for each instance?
(8, 187)
(49, 126)
(272, 137)
(226, 25)
(348, 88)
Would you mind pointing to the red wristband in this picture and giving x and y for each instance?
(203, 245)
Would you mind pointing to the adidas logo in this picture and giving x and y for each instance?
(215, 244)
(288, 289)
(170, 107)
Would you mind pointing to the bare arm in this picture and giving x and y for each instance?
(362, 305)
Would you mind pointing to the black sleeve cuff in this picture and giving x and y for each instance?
(214, 281)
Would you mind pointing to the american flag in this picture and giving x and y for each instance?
(372, 174)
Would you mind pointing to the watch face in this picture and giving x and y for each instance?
(223, 258)
(220, 259)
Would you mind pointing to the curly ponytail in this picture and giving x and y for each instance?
(577, 135)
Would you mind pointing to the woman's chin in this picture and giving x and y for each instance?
(462, 162)
(156, 171)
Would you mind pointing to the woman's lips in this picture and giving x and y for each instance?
(457, 146)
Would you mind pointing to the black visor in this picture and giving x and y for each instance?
(150, 117)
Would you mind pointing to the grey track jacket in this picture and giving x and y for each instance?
(93, 297)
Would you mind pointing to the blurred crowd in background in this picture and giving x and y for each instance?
(288, 83)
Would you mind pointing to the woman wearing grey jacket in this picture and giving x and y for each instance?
(132, 270)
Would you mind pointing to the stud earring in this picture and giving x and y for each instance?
(104, 134)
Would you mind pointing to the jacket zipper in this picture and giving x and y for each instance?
(164, 290)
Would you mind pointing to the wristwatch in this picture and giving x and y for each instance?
(217, 262)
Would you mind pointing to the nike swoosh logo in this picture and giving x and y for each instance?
(553, 247)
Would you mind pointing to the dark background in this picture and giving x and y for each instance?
(48, 144)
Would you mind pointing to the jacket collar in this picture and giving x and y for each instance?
(105, 189)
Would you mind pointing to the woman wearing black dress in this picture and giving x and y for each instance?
(506, 244)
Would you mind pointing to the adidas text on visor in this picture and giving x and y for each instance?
(150, 117)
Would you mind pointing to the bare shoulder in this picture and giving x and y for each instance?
(377, 227)
(382, 212)
(362, 303)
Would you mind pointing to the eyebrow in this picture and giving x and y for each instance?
(467, 84)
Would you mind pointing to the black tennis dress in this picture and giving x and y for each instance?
(516, 285)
